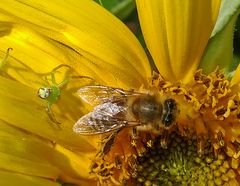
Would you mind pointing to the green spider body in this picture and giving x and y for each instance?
(52, 93)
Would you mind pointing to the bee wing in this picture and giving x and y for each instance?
(95, 95)
(104, 118)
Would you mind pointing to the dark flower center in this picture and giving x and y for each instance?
(180, 164)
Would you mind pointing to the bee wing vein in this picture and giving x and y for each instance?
(102, 119)
(95, 95)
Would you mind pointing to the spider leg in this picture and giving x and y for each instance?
(64, 82)
(4, 60)
(60, 66)
(52, 73)
(50, 113)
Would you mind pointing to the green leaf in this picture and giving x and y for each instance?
(236, 61)
(227, 10)
(120, 8)
(124, 9)
(236, 46)
(219, 51)
(108, 4)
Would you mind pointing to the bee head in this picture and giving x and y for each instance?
(169, 116)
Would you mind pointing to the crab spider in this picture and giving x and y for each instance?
(52, 92)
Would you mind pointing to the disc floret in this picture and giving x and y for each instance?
(202, 145)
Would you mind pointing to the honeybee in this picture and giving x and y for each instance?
(115, 109)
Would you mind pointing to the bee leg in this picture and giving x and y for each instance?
(107, 144)
(149, 140)
(134, 137)
(118, 162)
(164, 139)
(50, 114)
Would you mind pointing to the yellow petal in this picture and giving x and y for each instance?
(38, 158)
(21, 107)
(33, 55)
(16, 164)
(78, 165)
(88, 29)
(236, 76)
(13, 179)
(176, 33)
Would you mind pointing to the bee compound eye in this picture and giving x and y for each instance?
(170, 103)
(43, 92)
(168, 120)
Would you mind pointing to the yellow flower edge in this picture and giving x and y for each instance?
(177, 33)
(41, 43)
(111, 47)
(26, 154)
(89, 49)
(19, 179)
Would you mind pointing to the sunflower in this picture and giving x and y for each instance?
(70, 44)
